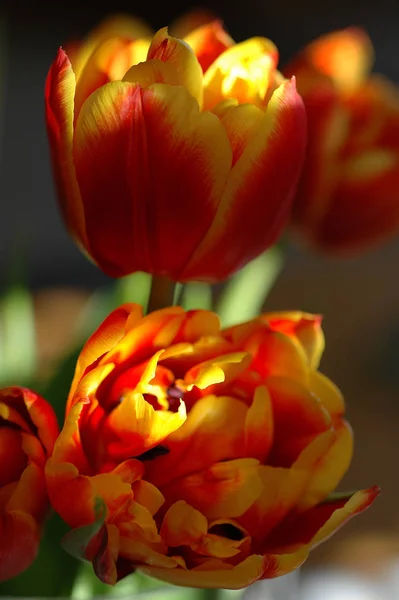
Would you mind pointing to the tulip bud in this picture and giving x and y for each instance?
(175, 157)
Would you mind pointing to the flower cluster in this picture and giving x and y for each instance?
(205, 457)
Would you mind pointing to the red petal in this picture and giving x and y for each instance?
(59, 96)
(19, 543)
(257, 198)
(318, 523)
(158, 158)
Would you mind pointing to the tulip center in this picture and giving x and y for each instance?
(227, 530)
(174, 395)
(243, 72)
(164, 399)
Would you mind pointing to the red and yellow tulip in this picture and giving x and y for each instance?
(28, 429)
(175, 157)
(203, 457)
(348, 196)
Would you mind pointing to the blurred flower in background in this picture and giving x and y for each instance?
(28, 429)
(348, 196)
(171, 163)
(203, 457)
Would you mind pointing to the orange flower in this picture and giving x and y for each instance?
(171, 162)
(348, 197)
(28, 429)
(203, 457)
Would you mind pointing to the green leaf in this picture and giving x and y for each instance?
(338, 497)
(17, 337)
(76, 540)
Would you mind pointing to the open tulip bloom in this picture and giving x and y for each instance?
(203, 457)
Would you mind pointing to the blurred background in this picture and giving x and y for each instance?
(359, 298)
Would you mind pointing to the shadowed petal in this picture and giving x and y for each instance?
(257, 198)
(59, 97)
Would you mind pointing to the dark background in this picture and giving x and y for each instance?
(359, 297)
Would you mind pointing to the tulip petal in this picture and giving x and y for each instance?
(330, 469)
(225, 489)
(327, 392)
(354, 218)
(212, 432)
(241, 124)
(328, 128)
(148, 495)
(208, 42)
(243, 71)
(104, 560)
(198, 324)
(151, 333)
(225, 576)
(139, 553)
(59, 97)
(63, 483)
(345, 56)
(110, 61)
(30, 494)
(221, 369)
(137, 426)
(123, 26)
(19, 543)
(282, 489)
(154, 151)
(183, 525)
(259, 425)
(75, 542)
(12, 455)
(298, 416)
(277, 355)
(178, 54)
(43, 418)
(303, 327)
(263, 167)
(310, 528)
(104, 339)
(356, 504)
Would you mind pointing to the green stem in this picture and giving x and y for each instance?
(244, 295)
(134, 288)
(162, 293)
(209, 594)
(197, 295)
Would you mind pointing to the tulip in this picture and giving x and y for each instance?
(348, 196)
(28, 429)
(177, 158)
(203, 457)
